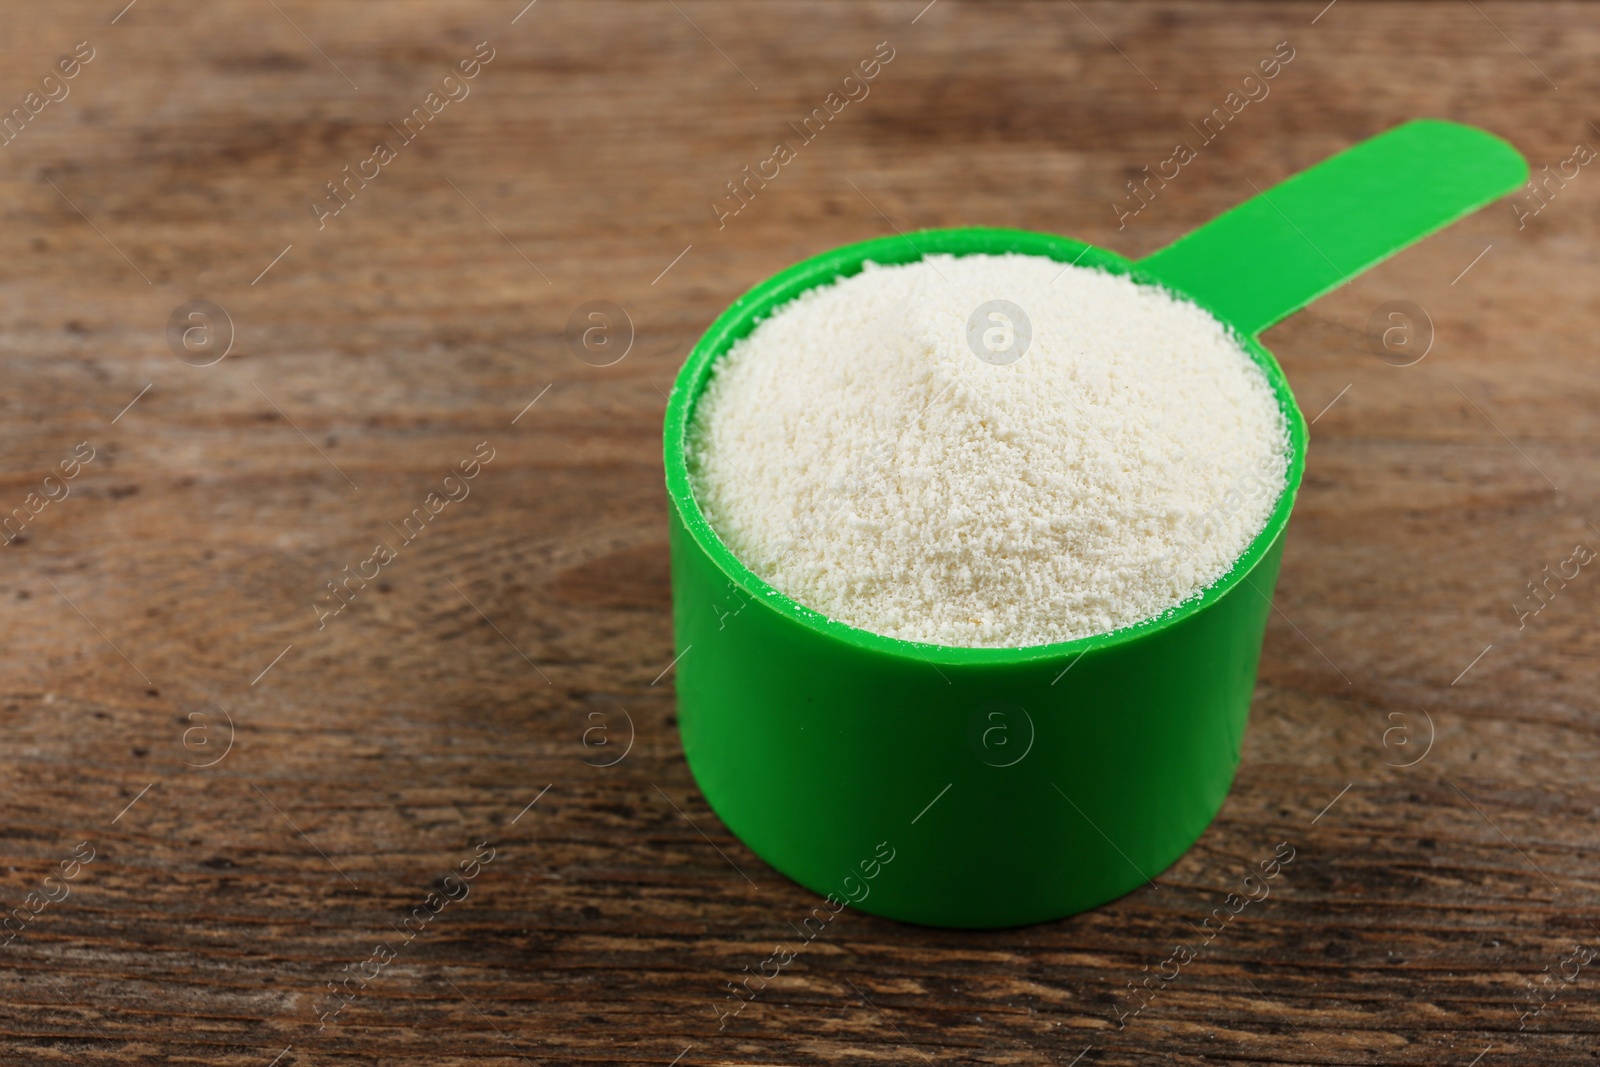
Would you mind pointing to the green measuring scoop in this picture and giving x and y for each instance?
(983, 787)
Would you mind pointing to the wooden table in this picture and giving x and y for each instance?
(178, 581)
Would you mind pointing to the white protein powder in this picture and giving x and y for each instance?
(856, 453)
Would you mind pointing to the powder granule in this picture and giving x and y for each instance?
(856, 452)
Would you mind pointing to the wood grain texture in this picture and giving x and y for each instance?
(380, 749)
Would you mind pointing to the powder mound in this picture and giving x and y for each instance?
(856, 452)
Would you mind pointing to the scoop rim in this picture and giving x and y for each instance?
(745, 313)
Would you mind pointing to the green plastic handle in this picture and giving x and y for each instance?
(1278, 251)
